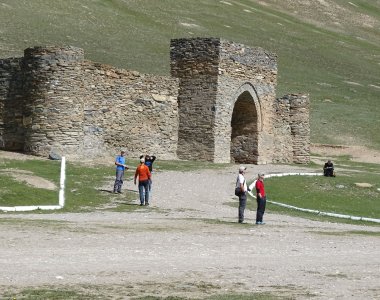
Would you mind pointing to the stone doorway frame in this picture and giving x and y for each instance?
(250, 157)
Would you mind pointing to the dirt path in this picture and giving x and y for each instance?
(187, 243)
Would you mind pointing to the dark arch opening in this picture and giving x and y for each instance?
(244, 130)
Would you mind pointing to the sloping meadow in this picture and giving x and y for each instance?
(329, 49)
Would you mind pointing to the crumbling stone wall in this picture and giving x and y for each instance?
(300, 127)
(54, 100)
(12, 131)
(124, 108)
(292, 129)
(283, 144)
(219, 105)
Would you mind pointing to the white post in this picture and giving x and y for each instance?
(62, 183)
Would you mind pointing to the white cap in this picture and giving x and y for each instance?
(242, 168)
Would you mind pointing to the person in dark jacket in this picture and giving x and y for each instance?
(149, 160)
(328, 169)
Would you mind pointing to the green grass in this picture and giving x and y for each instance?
(321, 193)
(330, 194)
(50, 294)
(254, 296)
(82, 190)
(84, 193)
(335, 63)
(14, 193)
(348, 233)
(74, 294)
(87, 187)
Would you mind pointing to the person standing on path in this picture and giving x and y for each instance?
(149, 160)
(120, 167)
(242, 184)
(261, 199)
(142, 171)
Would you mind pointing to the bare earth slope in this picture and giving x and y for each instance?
(187, 243)
(346, 17)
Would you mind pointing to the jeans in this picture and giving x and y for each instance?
(261, 202)
(242, 204)
(150, 188)
(144, 191)
(118, 181)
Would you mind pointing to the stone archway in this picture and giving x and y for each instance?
(245, 126)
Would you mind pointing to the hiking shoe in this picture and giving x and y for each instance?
(141, 204)
(146, 204)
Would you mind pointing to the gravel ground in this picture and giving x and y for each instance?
(188, 243)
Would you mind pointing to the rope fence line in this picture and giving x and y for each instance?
(321, 213)
(61, 196)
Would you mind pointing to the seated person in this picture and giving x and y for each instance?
(328, 169)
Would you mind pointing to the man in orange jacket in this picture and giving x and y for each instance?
(142, 171)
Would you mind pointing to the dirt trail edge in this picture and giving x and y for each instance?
(188, 243)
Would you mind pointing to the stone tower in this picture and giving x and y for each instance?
(52, 121)
(225, 102)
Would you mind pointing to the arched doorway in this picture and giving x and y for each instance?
(245, 129)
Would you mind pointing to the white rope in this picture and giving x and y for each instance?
(322, 213)
(61, 196)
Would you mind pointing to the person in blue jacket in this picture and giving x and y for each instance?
(120, 168)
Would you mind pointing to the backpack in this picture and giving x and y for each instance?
(238, 191)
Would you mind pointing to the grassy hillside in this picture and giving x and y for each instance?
(328, 48)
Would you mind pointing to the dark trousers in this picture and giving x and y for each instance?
(118, 181)
(242, 204)
(144, 192)
(261, 202)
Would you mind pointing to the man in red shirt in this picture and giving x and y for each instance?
(261, 199)
(142, 171)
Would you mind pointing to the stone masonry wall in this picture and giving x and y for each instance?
(300, 127)
(244, 69)
(195, 63)
(53, 109)
(80, 108)
(283, 145)
(219, 105)
(211, 73)
(128, 109)
(12, 131)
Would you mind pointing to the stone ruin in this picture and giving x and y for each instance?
(219, 105)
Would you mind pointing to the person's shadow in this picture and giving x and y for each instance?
(122, 202)
(111, 191)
